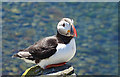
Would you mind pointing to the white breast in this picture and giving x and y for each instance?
(65, 52)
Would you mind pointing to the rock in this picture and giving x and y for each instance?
(64, 70)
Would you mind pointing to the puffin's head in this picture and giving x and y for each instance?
(65, 27)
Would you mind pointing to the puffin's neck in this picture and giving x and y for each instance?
(63, 39)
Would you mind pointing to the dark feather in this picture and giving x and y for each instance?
(63, 39)
(42, 49)
(45, 48)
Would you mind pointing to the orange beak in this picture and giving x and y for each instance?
(75, 32)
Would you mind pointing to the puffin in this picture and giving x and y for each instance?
(54, 50)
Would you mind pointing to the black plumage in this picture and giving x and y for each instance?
(44, 48)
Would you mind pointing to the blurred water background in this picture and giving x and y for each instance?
(24, 23)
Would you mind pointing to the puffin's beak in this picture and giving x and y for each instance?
(74, 30)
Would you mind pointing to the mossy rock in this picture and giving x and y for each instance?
(61, 70)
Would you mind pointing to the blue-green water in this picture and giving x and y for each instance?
(24, 23)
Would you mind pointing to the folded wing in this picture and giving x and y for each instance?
(41, 50)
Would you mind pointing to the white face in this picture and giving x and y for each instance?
(64, 27)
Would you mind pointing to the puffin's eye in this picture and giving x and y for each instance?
(63, 25)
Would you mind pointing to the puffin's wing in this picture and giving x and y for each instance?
(41, 50)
